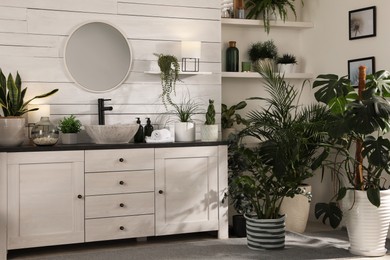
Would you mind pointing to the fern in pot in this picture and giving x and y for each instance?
(69, 127)
(210, 129)
(12, 123)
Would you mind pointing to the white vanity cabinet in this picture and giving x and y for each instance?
(45, 198)
(119, 189)
(188, 193)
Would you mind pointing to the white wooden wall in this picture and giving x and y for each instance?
(33, 34)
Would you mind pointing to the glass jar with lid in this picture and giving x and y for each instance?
(44, 133)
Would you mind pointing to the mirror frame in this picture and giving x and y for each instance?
(127, 44)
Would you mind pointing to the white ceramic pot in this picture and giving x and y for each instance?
(209, 133)
(184, 132)
(286, 68)
(69, 138)
(12, 131)
(296, 211)
(367, 225)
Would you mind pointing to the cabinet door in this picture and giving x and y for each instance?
(45, 198)
(186, 190)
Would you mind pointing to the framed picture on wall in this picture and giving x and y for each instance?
(353, 68)
(362, 23)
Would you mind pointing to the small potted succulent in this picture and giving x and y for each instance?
(210, 129)
(69, 127)
(286, 63)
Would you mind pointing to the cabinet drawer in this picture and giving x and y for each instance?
(119, 160)
(119, 182)
(119, 227)
(119, 205)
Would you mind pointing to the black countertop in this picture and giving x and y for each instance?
(91, 146)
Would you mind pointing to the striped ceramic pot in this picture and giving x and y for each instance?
(265, 233)
(367, 225)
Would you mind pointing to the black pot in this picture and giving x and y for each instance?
(239, 226)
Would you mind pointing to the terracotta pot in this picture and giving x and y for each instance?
(12, 131)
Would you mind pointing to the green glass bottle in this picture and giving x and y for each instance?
(232, 59)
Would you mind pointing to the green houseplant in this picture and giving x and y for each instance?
(209, 130)
(263, 50)
(170, 68)
(229, 117)
(288, 151)
(69, 127)
(356, 131)
(266, 8)
(286, 63)
(14, 107)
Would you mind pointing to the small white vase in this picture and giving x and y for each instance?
(12, 131)
(367, 225)
(184, 132)
(209, 133)
(297, 211)
(69, 138)
(286, 68)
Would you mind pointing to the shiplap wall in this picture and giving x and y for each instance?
(33, 34)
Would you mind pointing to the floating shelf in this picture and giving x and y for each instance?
(182, 72)
(277, 23)
(257, 75)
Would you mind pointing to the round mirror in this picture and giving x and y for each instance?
(97, 56)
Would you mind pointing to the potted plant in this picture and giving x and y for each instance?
(286, 63)
(210, 129)
(269, 10)
(184, 111)
(170, 68)
(69, 127)
(356, 131)
(263, 50)
(12, 132)
(289, 150)
(229, 117)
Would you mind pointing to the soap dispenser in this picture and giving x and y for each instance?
(139, 136)
(148, 128)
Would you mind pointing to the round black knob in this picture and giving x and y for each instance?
(122, 228)
(121, 182)
(80, 196)
(160, 191)
(121, 159)
(121, 205)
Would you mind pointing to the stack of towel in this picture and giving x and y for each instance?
(160, 136)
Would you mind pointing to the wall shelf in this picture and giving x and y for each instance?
(277, 23)
(181, 72)
(257, 75)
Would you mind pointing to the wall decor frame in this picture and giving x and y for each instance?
(362, 23)
(353, 68)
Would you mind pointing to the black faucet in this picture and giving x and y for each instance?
(101, 109)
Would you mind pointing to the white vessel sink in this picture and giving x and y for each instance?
(111, 134)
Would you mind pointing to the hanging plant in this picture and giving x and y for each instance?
(170, 68)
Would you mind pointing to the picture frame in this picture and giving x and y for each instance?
(353, 68)
(362, 23)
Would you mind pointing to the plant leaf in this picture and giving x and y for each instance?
(331, 211)
(373, 195)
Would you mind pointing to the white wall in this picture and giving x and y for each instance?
(33, 34)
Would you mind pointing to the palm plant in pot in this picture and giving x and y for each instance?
(269, 10)
(356, 129)
(69, 127)
(12, 123)
(210, 129)
(288, 152)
